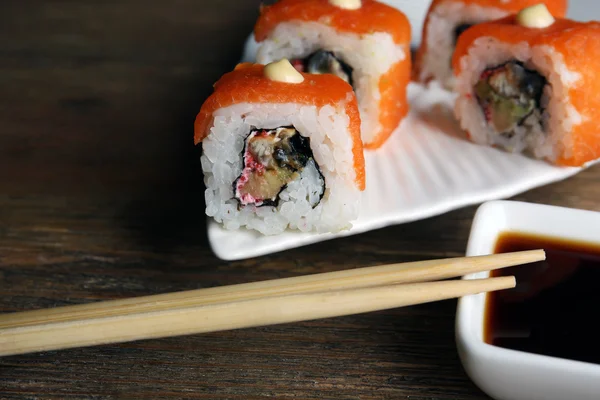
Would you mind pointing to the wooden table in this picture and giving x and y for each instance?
(101, 198)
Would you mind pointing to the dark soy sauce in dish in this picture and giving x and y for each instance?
(555, 307)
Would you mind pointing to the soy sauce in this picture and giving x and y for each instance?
(555, 308)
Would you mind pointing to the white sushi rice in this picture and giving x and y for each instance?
(370, 56)
(559, 117)
(443, 21)
(331, 144)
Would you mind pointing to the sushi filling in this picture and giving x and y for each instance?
(510, 97)
(273, 159)
(324, 62)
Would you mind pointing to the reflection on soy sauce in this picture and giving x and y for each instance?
(553, 310)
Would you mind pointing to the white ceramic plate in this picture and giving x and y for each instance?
(426, 169)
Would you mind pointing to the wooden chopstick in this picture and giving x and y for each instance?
(261, 311)
(413, 272)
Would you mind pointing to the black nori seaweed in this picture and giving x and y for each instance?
(298, 156)
(533, 85)
(324, 54)
(460, 29)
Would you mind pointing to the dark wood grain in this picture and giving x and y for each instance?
(101, 198)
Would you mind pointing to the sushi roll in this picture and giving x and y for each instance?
(366, 43)
(281, 150)
(447, 19)
(528, 84)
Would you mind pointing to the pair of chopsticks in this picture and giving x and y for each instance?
(255, 304)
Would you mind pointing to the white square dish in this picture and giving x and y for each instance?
(506, 374)
(426, 169)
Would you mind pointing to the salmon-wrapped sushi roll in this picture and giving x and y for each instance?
(447, 19)
(281, 150)
(529, 83)
(366, 43)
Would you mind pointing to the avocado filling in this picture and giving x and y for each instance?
(272, 159)
(510, 96)
(324, 62)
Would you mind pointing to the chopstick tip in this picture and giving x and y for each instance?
(513, 281)
(534, 255)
